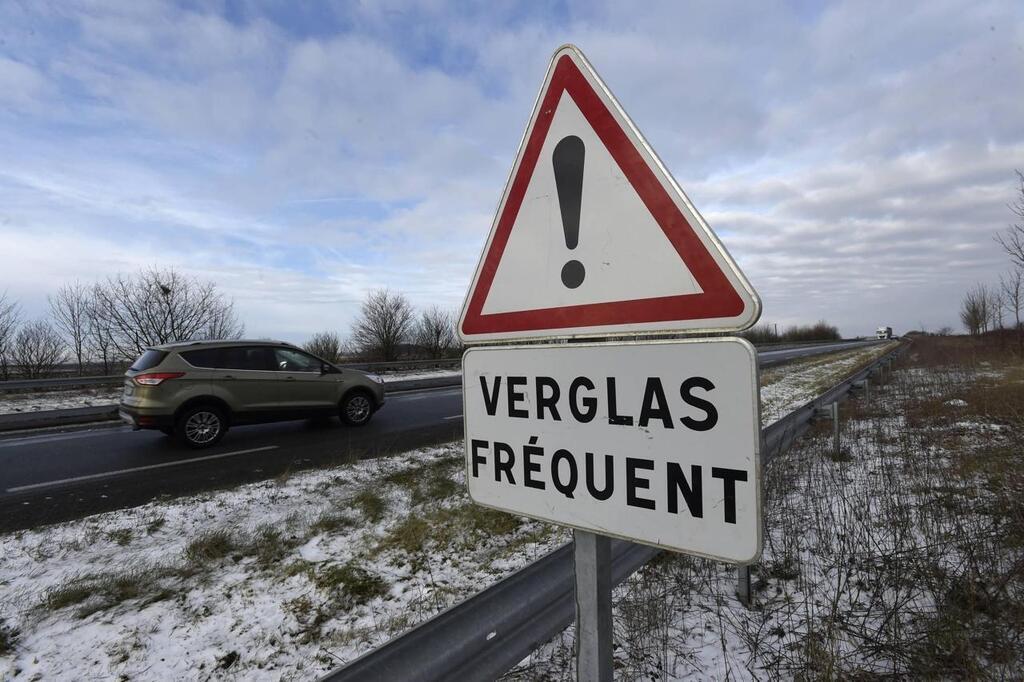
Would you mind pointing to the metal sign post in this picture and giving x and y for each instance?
(593, 561)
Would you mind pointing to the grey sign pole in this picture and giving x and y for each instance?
(593, 560)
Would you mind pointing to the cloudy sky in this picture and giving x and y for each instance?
(856, 158)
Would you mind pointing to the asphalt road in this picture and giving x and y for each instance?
(56, 476)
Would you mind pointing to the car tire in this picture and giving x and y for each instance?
(356, 408)
(201, 426)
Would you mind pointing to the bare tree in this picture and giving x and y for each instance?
(1013, 240)
(10, 317)
(224, 325)
(70, 312)
(99, 343)
(995, 309)
(385, 321)
(1012, 288)
(38, 348)
(160, 306)
(435, 332)
(326, 345)
(974, 310)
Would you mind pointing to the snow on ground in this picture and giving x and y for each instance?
(275, 580)
(13, 403)
(786, 387)
(287, 579)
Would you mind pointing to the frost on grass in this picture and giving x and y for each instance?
(277, 580)
(903, 558)
(786, 387)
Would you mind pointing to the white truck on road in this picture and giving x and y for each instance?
(883, 333)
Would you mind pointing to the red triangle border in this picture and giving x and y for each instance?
(718, 299)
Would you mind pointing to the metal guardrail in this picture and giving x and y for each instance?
(780, 435)
(56, 382)
(112, 379)
(486, 635)
(398, 365)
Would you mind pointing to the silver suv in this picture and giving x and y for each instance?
(196, 390)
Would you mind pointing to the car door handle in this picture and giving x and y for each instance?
(228, 376)
(289, 378)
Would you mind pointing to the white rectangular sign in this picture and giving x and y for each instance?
(653, 442)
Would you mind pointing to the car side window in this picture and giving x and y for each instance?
(246, 357)
(288, 360)
(205, 357)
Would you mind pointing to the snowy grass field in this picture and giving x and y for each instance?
(289, 578)
(900, 557)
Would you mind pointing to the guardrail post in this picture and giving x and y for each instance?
(832, 412)
(743, 589)
(835, 428)
(865, 386)
(593, 560)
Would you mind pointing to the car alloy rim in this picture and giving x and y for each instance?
(358, 408)
(202, 427)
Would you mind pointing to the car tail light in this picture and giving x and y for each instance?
(156, 378)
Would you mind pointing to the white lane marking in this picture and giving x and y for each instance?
(454, 416)
(108, 474)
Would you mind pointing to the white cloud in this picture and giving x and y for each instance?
(856, 158)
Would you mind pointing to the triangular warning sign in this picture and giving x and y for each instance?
(593, 236)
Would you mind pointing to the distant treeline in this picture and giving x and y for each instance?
(101, 326)
(769, 333)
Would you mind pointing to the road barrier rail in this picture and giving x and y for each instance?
(113, 379)
(484, 636)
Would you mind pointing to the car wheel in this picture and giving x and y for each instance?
(201, 426)
(356, 408)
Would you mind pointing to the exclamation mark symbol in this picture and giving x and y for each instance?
(568, 162)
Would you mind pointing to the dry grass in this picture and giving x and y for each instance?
(428, 483)
(100, 592)
(370, 504)
(210, 546)
(349, 584)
